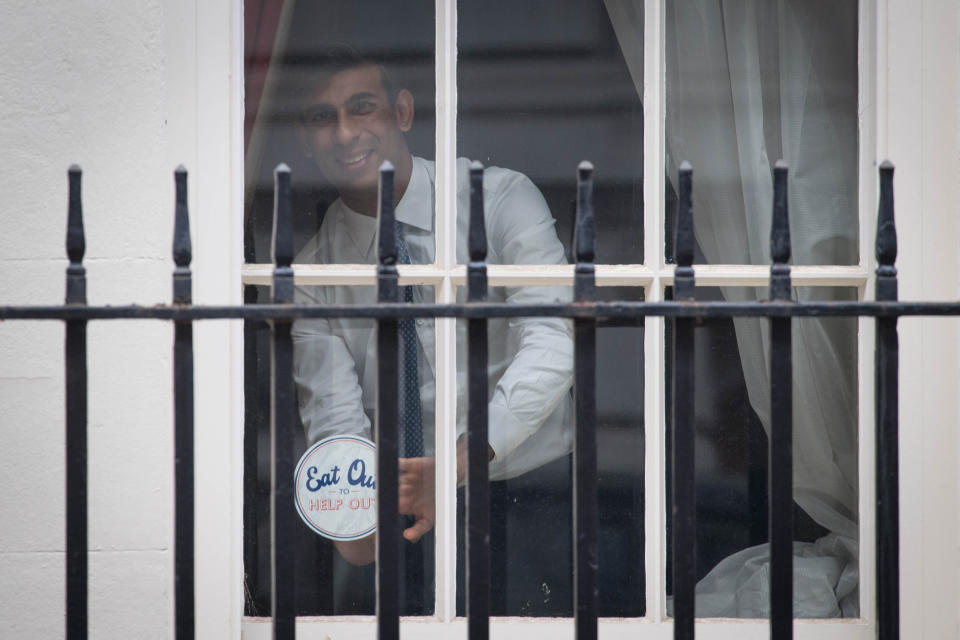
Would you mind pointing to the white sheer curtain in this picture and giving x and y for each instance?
(749, 82)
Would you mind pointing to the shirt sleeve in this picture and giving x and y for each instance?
(328, 390)
(522, 231)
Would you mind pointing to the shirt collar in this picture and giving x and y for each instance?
(415, 209)
(416, 206)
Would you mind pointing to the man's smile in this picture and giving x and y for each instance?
(355, 160)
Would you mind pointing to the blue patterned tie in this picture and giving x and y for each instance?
(411, 414)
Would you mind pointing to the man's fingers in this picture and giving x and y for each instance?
(420, 527)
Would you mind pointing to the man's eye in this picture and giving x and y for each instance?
(320, 118)
(363, 107)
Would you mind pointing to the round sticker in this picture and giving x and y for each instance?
(336, 490)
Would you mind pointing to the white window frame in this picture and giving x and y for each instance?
(892, 124)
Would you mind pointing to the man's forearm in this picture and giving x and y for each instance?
(358, 552)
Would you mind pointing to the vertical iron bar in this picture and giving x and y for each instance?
(781, 424)
(251, 577)
(585, 517)
(478, 457)
(184, 575)
(255, 407)
(283, 519)
(887, 409)
(387, 415)
(76, 418)
(684, 478)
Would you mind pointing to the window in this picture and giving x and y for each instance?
(635, 87)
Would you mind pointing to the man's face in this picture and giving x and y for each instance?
(349, 127)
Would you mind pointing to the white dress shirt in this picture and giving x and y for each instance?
(530, 359)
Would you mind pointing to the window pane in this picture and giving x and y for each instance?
(541, 86)
(732, 421)
(747, 84)
(333, 89)
(335, 369)
(531, 496)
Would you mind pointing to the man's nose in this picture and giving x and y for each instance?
(346, 129)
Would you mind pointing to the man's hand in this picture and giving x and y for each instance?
(417, 485)
(417, 495)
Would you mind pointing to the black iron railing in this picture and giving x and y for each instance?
(585, 312)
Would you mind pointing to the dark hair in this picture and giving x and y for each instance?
(302, 71)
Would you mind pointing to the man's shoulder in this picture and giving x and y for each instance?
(495, 178)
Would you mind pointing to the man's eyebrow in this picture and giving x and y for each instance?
(319, 106)
(363, 95)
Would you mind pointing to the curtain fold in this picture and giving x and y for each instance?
(266, 25)
(749, 82)
(260, 29)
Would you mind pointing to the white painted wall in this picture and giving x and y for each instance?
(127, 90)
(921, 104)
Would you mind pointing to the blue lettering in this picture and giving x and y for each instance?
(357, 475)
(314, 483)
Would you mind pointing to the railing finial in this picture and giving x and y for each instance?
(780, 230)
(886, 229)
(387, 221)
(585, 235)
(387, 278)
(477, 237)
(282, 236)
(282, 225)
(780, 235)
(76, 243)
(182, 248)
(683, 279)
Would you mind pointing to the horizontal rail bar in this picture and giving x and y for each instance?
(605, 310)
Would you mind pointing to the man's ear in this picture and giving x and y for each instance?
(303, 140)
(403, 107)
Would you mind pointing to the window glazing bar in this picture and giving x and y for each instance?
(445, 530)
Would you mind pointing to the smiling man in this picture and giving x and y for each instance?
(353, 119)
(353, 122)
